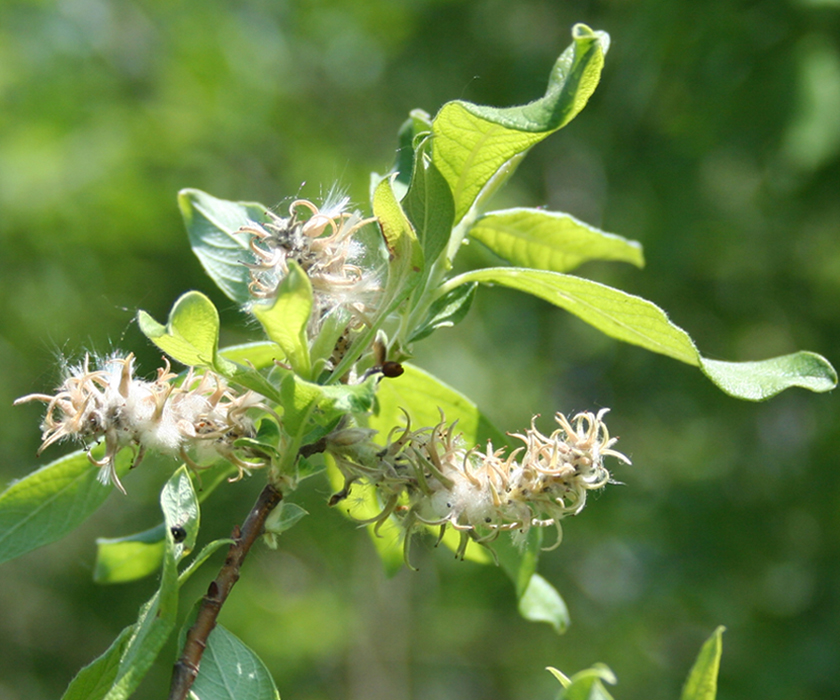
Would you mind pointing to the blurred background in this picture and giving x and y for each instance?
(713, 139)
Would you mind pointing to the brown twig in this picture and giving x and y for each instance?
(186, 668)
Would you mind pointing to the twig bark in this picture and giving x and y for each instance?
(186, 668)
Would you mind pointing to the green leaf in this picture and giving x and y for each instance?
(231, 671)
(96, 679)
(283, 517)
(587, 684)
(286, 319)
(139, 644)
(212, 225)
(405, 252)
(417, 124)
(542, 603)
(702, 680)
(420, 394)
(49, 503)
(429, 205)
(640, 322)
(123, 559)
(476, 148)
(257, 355)
(618, 314)
(447, 310)
(191, 334)
(547, 240)
(757, 381)
(519, 560)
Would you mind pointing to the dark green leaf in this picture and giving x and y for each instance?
(447, 310)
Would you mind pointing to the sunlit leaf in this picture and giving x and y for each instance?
(47, 504)
(122, 559)
(212, 225)
(701, 683)
(286, 318)
(640, 322)
(476, 148)
(231, 671)
(191, 334)
(587, 684)
(547, 240)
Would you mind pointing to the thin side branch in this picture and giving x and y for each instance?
(186, 668)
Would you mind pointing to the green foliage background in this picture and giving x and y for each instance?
(714, 139)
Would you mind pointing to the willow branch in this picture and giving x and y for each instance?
(186, 668)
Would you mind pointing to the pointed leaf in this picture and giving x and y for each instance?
(49, 503)
(418, 123)
(403, 247)
(547, 240)
(429, 205)
(191, 334)
(475, 148)
(542, 603)
(285, 320)
(231, 671)
(640, 322)
(588, 684)
(702, 680)
(96, 679)
(212, 225)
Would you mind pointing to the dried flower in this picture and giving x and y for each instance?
(109, 404)
(431, 477)
(343, 281)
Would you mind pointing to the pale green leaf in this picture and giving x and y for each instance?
(547, 240)
(231, 671)
(475, 148)
(588, 684)
(760, 380)
(258, 355)
(191, 334)
(213, 225)
(542, 603)
(123, 559)
(702, 680)
(286, 318)
(404, 249)
(47, 504)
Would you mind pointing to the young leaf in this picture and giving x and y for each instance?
(640, 322)
(231, 671)
(476, 148)
(191, 334)
(417, 124)
(212, 225)
(258, 355)
(447, 310)
(587, 684)
(542, 603)
(49, 503)
(546, 240)
(285, 320)
(701, 683)
(403, 247)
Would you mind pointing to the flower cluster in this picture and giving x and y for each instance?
(107, 403)
(322, 243)
(431, 477)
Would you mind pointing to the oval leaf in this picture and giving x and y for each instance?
(123, 559)
(191, 334)
(213, 225)
(49, 503)
(472, 145)
(231, 671)
(756, 381)
(546, 240)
